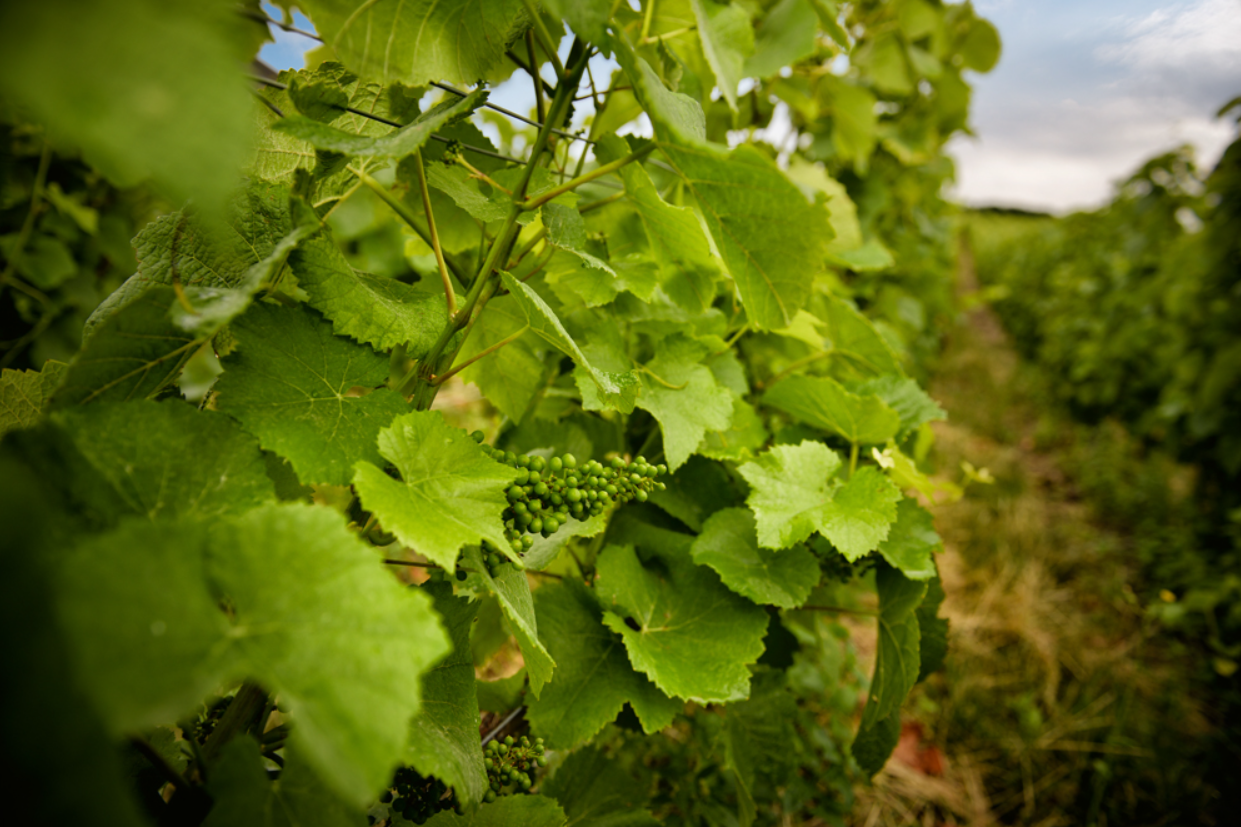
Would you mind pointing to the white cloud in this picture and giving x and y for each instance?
(1138, 86)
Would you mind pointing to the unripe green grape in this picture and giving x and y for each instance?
(535, 476)
(489, 797)
(574, 495)
(541, 490)
(572, 481)
(551, 525)
(502, 749)
(640, 496)
(617, 462)
(523, 477)
(537, 463)
(523, 461)
(510, 458)
(557, 499)
(611, 490)
(555, 464)
(478, 436)
(536, 525)
(569, 461)
(527, 541)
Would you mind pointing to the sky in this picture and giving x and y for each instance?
(1085, 91)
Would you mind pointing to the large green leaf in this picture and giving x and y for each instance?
(219, 261)
(544, 324)
(134, 354)
(415, 41)
(757, 736)
(596, 792)
(291, 382)
(854, 337)
(795, 491)
(379, 311)
(729, 545)
(506, 811)
(169, 459)
(112, 78)
(450, 492)
(594, 679)
(786, 35)
(822, 402)
(677, 239)
(404, 141)
(772, 241)
(675, 116)
(933, 646)
(245, 796)
(912, 541)
(25, 394)
(511, 376)
(587, 18)
(684, 396)
(443, 739)
(897, 663)
(727, 40)
(692, 636)
(904, 396)
(855, 125)
(145, 627)
(567, 230)
(319, 621)
(512, 589)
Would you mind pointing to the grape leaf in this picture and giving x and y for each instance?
(897, 663)
(903, 395)
(135, 601)
(451, 493)
(873, 745)
(684, 397)
(290, 383)
(455, 182)
(795, 492)
(587, 18)
(134, 354)
(506, 811)
(855, 125)
(772, 241)
(126, 99)
(25, 394)
(55, 750)
(594, 680)
(743, 438)
(245, 795)
(912, 541)
(567, 230)
(822, 402)
(829, 17)
(981, 49)
(757, 734)
(404, 141)
(169, 459)
(677, 238)
(675, 116)
(511, 376)
(512, 589)
(729, 545)
(727, 40)
(933, 646)
(546, 549)
(544, 324)
(694, 637)
(786, 35)
(419, 41)
(378, 311)
(596, 792)
(854, 337)
(318, 621)
(443, 738)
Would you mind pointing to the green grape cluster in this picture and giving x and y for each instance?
(512, 765)
(549, 492)
(417, 798)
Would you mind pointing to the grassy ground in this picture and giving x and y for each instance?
(1062, 702)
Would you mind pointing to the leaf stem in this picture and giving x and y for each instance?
(240, 717)
(409, 217)
(661, 380)
(647, 18)
(800, 363)
(545, 39)
(475, 172)
(512, 337)
(598, 172)
(449, 295)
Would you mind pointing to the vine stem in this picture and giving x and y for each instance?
(441, 379)
(487, 281)
(598, 172)
(240, 717)
(853, 452)
(449, 295)
(545, 40)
